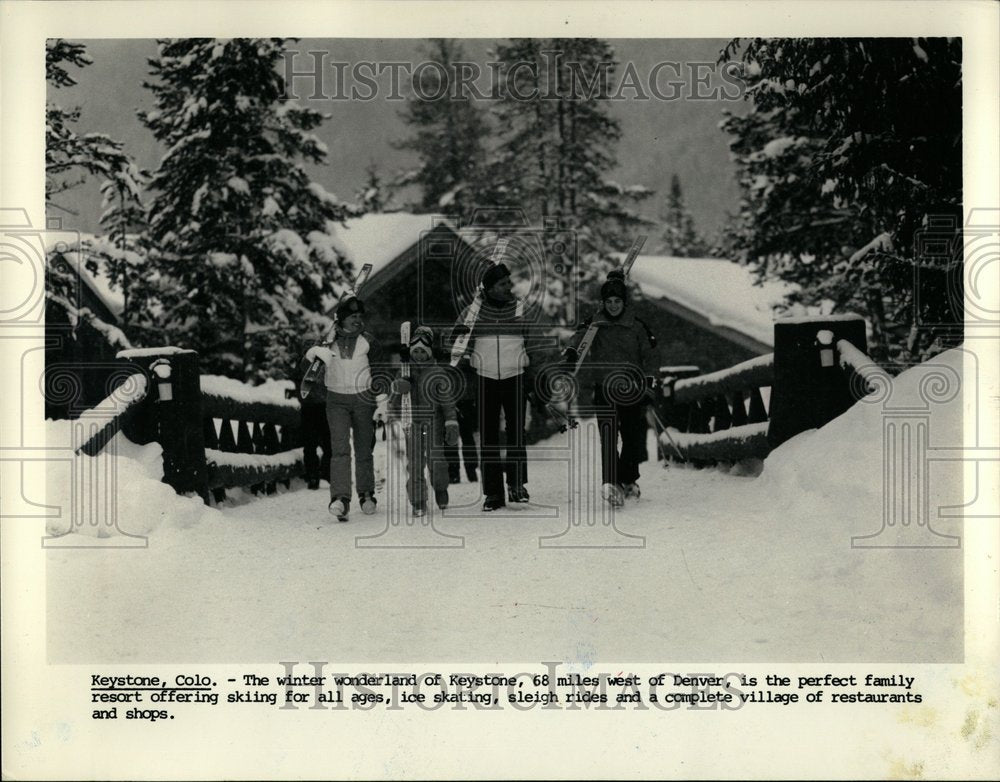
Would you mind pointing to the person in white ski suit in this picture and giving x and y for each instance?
(350, 406)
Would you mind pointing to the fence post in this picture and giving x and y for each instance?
(809, 391)
(173, 412)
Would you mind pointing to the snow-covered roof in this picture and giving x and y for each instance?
(380, 238)
(721, 291)
(111, 297)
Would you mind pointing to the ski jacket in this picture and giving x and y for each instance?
(348, 362)
(499, 346)
(433, 389)
(621, 346)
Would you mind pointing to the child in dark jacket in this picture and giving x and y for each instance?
(431, 388)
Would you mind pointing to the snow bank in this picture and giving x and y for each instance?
(842, 461)
(721, 291)
(141, 501)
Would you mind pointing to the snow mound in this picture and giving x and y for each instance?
(140, 502)
(843, 461)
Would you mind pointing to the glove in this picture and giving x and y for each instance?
(451, 432)
(311, 353)
(400, 386)
(570, 355)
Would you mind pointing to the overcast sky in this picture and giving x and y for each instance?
(660, 137)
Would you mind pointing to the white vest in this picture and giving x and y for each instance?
(347, 375)
(500, 356)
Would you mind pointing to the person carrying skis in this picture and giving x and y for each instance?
(434, 420)
(499, 351)
(350, 406)
(619, 370)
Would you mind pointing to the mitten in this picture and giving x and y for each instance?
(400, 386)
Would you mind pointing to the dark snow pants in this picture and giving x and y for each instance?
(630, 421)
(425, 446)
(507, 396)
(466, 409)
(315, 435)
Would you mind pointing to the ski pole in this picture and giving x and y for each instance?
(663, 429)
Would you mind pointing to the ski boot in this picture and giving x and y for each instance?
(418, 511)
(313, 484)
(517, 494)
(631, 491)
(340, 507)
(613, 495)
(441, 498)
(493, 502)
(368, 502)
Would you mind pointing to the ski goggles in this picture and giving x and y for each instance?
(422, 337)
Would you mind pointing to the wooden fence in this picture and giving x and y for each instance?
(749, 409)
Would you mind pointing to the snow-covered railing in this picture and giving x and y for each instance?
(216, 432)
(124, 400)
(258, 439)
(722, 416)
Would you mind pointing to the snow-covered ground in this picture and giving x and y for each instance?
(732, 568)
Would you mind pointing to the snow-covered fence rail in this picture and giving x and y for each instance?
(258, 438)
(124, 400)
(216, 432)
(723, 416)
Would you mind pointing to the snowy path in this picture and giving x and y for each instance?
(729, 571)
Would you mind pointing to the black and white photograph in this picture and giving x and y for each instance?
(579, 376)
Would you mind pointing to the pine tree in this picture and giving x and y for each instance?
(69, 158)
(66, 151)
(448, 134)
(376, 194)
(557, 145)
(680, 238)
(241, 256)
(849, 157)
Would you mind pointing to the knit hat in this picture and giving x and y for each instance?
(494, 274)
(350, 306)
(615, 286)
(422, 335)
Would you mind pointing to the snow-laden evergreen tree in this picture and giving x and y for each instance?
(241, 257)
(556, 147)
(850, 166)
(680, 238)
(448, 134)
(376, 195)
(70, 157)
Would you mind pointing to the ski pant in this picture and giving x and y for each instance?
(315, 435)
(351, 414)
(507, 396)
(630, 422)
(425, 446)
(466, 409)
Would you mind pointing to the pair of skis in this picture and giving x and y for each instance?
(314, 375)
(567, 422)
